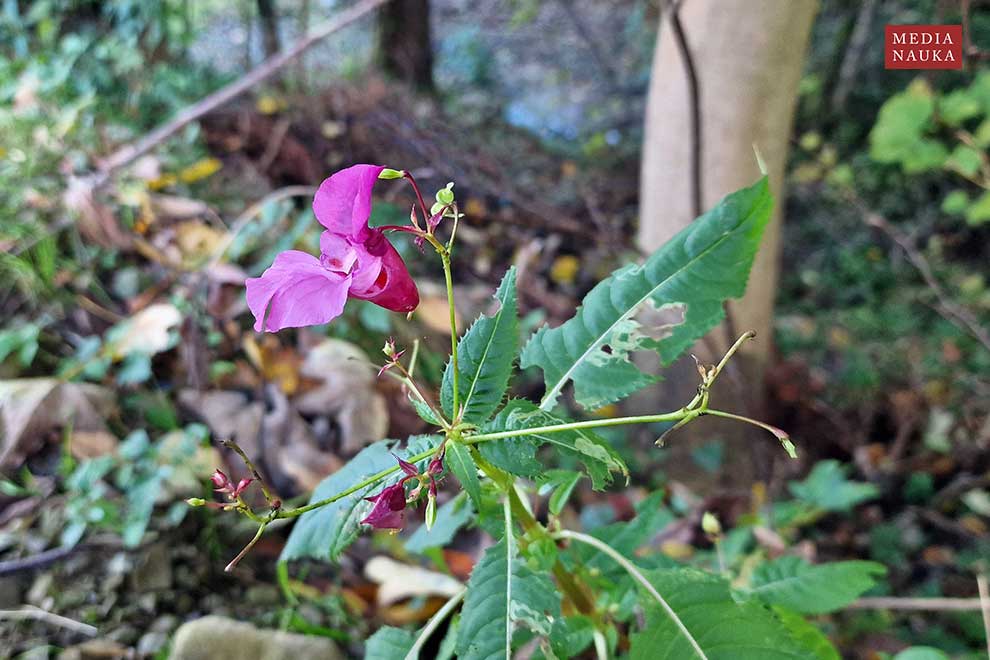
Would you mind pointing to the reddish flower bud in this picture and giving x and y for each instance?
(407, 467)
(436, 466)
(389, 511)
(241, 485)
(219, 480)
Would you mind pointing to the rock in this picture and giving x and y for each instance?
(263, 594)
(12, 591)
(219, 638)
(164, 624)
(38, 593)
(154, 571)
(151, 643)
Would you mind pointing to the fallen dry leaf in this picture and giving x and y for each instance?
(147, 332)
(91, 444)
(397, 581)
(347, 393)
(30, 408)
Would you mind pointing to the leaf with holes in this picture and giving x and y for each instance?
(517, 455)
(712, 625)
(700, 268)
(484, 358)
(503, 593)
(324, 533)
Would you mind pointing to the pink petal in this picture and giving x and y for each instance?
(394, 289)
(343, 254)
(296, 291)
(343, 202)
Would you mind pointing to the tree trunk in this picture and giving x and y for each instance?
(269, 27)
(404, 45)
(748, 55)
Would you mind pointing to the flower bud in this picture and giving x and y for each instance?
(445, 195)
(710, 524)
(219, 479)
(431, 511)
(389, 173)
(407, 467)
(241, 486)
(196, 501)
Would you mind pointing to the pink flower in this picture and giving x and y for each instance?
(356, 261)
(389, 511)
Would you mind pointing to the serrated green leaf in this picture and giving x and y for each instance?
(807, 635)
(813, 589)
(561, 484)
(485, 355)
(503, 593)
(424, 411)
(461, 464)
(979, 211)
(722, 628)
(702, 266)
(450, 517)
(626, 537)
(828, 488)
(901, 123)
(389, 643)
(324, 533)
(517, 455)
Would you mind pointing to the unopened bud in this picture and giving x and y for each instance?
(431, 511)
(219, 479)
(446, 195)
(389, 173)
(710, 524)
(196, 501)
(389, 348)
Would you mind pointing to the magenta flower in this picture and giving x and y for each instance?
(356, 261)
(389, 511)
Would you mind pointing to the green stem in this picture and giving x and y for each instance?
(378, 476)
(575, 592)
(433, 624)
(587, 424)
(630, 568)
(247, 548)
(448, 280)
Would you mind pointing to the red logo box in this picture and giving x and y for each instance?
(923, 47)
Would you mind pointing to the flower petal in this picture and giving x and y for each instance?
(342, 254)
(343, 202)
(394, 289)
(296, 291)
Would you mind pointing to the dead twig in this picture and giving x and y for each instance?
(32, 613)
(916, 604)
(262, 72)
(981, 585)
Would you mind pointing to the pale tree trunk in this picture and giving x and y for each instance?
(749, 55)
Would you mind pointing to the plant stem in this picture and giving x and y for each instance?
(433, 624)
(247, 548)
(573, 590)
(635, 573)
(587, 424)
(293, 513)
(448, 280)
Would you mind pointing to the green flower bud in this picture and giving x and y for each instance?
(710, 524)
(431, 512)
(389, 173)
(196, 501)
